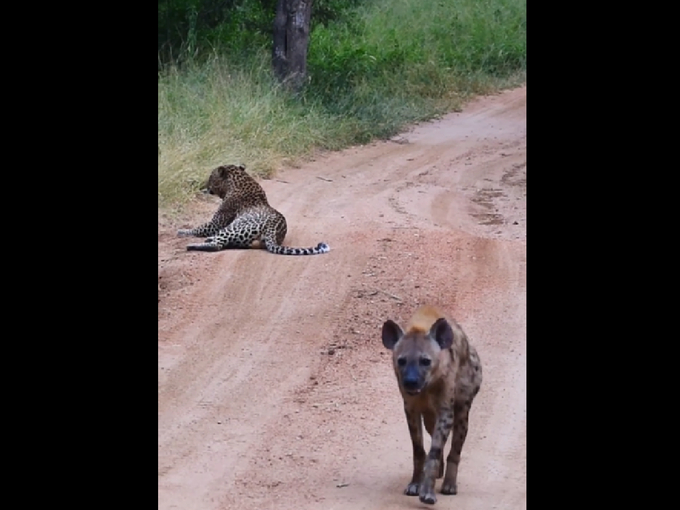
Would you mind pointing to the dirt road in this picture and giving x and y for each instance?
(274, 389)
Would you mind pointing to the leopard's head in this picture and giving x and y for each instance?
(223, 178)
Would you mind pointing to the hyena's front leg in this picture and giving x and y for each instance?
(415, 428)
(430, 419)
(441, 433)
(461, 412)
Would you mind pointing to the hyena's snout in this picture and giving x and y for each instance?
(412, 379)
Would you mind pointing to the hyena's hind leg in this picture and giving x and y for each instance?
(461, 413)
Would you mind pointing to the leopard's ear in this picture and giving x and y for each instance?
(242, 166)
(223, 171)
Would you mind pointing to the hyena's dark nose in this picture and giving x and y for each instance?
(411, 383)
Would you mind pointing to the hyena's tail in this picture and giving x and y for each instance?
(287, 250)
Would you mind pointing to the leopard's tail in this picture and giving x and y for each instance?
(287, 250)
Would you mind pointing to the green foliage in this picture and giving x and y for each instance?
(214, 112)
(395, 61)
(195, 29)
(374, 66)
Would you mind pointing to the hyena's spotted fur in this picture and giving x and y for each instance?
(439, 374)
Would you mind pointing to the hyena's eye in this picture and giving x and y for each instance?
(426, 362)
(401, 362)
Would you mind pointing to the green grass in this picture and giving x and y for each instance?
(391, 63)
(213, 114)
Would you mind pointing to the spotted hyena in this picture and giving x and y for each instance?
(439, 374)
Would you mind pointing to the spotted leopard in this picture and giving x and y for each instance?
(243, 217)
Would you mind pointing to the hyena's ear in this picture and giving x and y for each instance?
(391, 333)
(442, 333)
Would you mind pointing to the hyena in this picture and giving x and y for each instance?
(439, 374)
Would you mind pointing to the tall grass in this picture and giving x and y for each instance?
(216, 113)
(388, 64)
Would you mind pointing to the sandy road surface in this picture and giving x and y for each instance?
(273, 384)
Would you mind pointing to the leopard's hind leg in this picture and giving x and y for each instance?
(239, 234)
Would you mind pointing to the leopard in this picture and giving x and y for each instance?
(243, 217)
(439, 374)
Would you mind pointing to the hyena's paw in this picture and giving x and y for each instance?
(184, 232)
(449, 488)
(428, 497)
(411, 489)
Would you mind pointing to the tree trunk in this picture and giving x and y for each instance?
(291, 40)
(279, 47)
